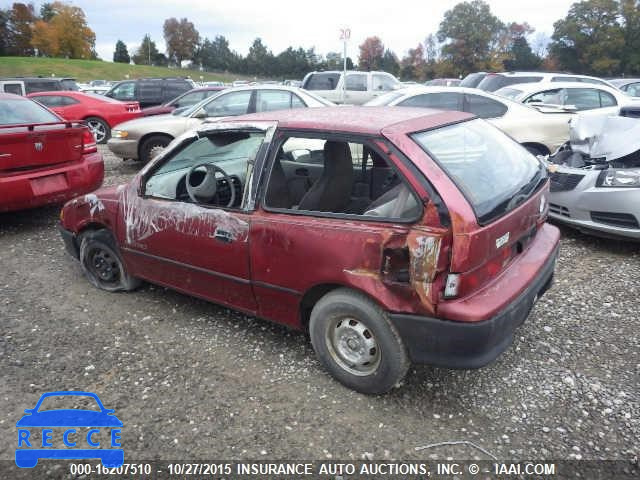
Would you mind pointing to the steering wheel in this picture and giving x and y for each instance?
(206, 190)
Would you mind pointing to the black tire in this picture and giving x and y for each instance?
(150, 146)
(376, 360)
(102, 264)
(100, 129)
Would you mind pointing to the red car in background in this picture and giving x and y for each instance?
(184, 101)
(99, 112)
(43, 159)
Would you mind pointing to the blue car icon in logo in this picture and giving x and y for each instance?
(36, 431)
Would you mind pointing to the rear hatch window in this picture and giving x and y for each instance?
(494, 173)
(491, 83)
(321, 81)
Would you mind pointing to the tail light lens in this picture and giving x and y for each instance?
(88, 142)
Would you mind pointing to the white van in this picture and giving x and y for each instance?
(360, 87)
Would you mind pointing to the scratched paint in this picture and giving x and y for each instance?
(95, 204)
(424, 253)
(144, 218)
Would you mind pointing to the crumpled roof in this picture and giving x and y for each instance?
(605, 136)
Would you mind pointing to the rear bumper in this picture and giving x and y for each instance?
(53, 185)
(123, 148)
(456, 344)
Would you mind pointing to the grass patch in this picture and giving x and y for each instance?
(85, 70)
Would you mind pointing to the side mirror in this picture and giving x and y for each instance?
(201, 113)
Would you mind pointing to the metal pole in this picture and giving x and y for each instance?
(149, 47)
(344, 67)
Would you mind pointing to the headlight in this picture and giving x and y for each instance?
(119, 133)
(613, 177)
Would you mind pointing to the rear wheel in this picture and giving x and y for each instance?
(356, 343)
(152, 146)
(101, 262)
(100, 129)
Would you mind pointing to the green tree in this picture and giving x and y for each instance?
(260, 60)
(182, 40)
(469, 32)
(630, 14)
(47, 11)
(20, 25)
(590, 39)
(147, 53)
(121, 55)
(389, 62)
(5, 39)
(520, 54)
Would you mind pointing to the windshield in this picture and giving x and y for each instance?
(386, 99)
(507, 92)
(19, 111)
(494, 172)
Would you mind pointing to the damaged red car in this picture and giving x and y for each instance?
(391, 235)
(43, 159)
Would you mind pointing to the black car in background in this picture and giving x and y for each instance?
(27, 85)
(149, 91)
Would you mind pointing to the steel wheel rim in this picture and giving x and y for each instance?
(155, 150)
(98, 129)
(353, 346)
(104, 266)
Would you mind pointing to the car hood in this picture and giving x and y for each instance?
(69, 418)
(604, 136)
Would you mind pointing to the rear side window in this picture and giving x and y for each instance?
(173, 88)
(486, 165)
(322, 81)
(444, 101)
(551, 97)
(270, 100)
(19, 111)
(583, 98)
(484, 107)
(150, 90)
(607, 100)
(32, 86)
(633, 89)
(357, 82)
(472, 80)
(66, 101)
(383, 82)
(49, 100)
(229, 104)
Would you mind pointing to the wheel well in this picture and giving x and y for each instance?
(148, 136)
(538, 146)
(310, 298)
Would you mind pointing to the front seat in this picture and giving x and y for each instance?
(332, 191)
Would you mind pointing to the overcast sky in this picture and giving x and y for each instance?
(401, 24)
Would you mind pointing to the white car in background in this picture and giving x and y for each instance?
(359, 87)
(539, 132)
(493, 81)
(569, 96)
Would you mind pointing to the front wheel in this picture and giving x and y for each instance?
(152, 146)
(100, 129)
(101, 262)
(356, 343)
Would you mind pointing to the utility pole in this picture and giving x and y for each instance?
(345, 34)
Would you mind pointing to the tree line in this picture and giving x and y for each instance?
(599, 37)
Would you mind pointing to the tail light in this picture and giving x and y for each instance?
(88, 142)
(132, 107)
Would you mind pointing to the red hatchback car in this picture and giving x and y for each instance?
(43, 159)
(99, 112)
(393, 235)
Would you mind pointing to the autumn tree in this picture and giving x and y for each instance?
(47, 11)
(121, 54)
(520, 56)
(413, 65)
(469, 32)
(4, 33)
(20, 25)
(66, 34)
(182, 40)
(590, 39)
(371, 53)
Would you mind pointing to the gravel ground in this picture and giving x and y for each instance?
(192, 380)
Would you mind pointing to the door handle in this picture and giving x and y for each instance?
(223, 236)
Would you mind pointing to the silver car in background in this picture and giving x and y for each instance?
(595, 180)
(143, 138)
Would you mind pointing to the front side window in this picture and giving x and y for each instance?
(322, 81)
(633, 89)
(549, 97)
(357, 82)
(189, 174)
(326, 176)
(124, 91)
(484, 107)
(443, 101)
(582, 98)
(383, 83)
(20, 111)
(189, 99)
(491, 169)
(229, 104)
(15, 88)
